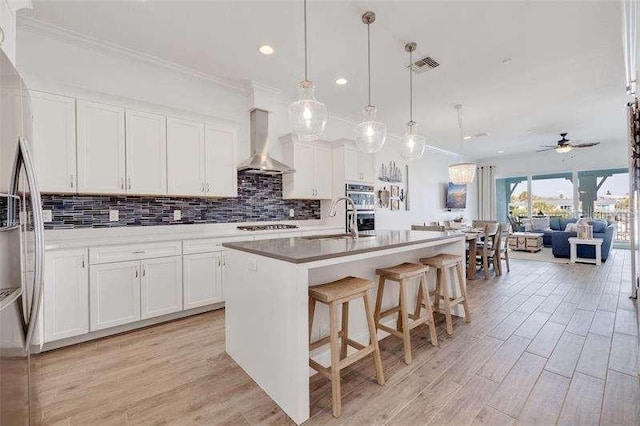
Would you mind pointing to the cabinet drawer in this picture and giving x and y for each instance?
(121, 253)
(207, 245)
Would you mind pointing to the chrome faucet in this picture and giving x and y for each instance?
(353, 223)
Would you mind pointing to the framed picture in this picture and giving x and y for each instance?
(395, 204)
(395, 191)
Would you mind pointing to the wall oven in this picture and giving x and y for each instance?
(363, 196)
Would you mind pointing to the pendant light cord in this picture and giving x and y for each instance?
(369, 58)
(305, 41)
(410, 87)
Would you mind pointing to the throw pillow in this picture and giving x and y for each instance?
(599, 226)
(540, 223)
(554, 223)
(571, 227)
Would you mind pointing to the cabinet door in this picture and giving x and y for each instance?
(351, 165)
(220, 162)
(54, 142)
(300, 184)
(185, 157)
(161, 286)
(202, 279)
(323, 170)
(66, 294)
(8, 27)
(366, 167)
(146, 153)
(101, 148)
(114, 294)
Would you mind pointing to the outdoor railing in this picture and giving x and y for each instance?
(622, 220)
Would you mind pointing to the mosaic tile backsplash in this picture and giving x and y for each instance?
(259, 199)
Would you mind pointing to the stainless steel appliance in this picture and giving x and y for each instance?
(364, 199)
(21, 248)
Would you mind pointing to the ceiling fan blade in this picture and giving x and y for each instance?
(585, 145)
(547, 149)
(548, 146)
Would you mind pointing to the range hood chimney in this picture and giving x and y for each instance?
(260, 162)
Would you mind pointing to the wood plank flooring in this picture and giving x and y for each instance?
(549, 343)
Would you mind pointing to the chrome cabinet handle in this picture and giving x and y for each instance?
(71, 180)
(122, 183)
(144, 271)
(2, 33)
(208, 187)
(224, 260)
(219, 261)
(202, 186)
(138, 252)
(136, 272)
(83, 261)
(129, 182)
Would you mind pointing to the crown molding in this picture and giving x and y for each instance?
(73, 38)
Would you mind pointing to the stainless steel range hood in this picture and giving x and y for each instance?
(260, 162)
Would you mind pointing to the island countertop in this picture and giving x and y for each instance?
(310, 249)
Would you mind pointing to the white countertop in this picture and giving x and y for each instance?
(87, 237)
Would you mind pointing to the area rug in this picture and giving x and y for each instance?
(544, 255)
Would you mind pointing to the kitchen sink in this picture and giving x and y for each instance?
(336, 236)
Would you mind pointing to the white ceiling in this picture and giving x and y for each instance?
(566, 72)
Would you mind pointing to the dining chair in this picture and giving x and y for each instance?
(486, 248)
(437, 228)
(504, 248)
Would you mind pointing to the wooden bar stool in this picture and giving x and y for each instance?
(401, 274)
(443, 263)
(334, 294)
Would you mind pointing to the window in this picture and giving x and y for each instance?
(512, 197)
(552, 195)
(604, 194)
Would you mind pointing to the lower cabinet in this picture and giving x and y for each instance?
(161, 286)
(66, 294)
(203, 278)
(114, 294)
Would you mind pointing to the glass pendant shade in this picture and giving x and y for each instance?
(413, 145)
(370, 134)
(462, 173)
(308, 116)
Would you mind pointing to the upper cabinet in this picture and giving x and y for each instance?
(314, 168)
(185, 157)
(54, 142)
(101, 148)
(8, 30)
(220, 162)
(146, 153)
(358, 166)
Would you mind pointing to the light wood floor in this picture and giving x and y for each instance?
(548, 343)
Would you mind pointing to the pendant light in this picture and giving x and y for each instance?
(413, 145)
(461, 173)
(370, 134)
(307, 115)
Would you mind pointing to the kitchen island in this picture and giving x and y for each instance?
(267, 300)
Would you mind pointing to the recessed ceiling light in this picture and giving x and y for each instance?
(341, 81)
(501, 152)
(506, 61)
(265, 49)
(466, 138)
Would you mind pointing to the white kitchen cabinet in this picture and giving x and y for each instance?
(66, 294)
(203, 279)
(185, 158)
(359, 166)
(146, 149)
(220, 162)
(114, 294)
(313, 165)
(161, 286)
(54, 142)
(8, 30)
(101, 148)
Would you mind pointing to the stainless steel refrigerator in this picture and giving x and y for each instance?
(21, 247)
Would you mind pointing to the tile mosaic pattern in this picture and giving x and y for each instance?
(259, 199)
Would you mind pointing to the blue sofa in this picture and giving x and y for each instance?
(601, 229)
(556, 223)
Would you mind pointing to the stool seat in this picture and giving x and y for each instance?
(402, 271)
(340, 289)
(441, 260)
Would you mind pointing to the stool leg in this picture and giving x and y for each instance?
(463, 290)
(436, 299)
(376, 315)
(335, 361)
(312, 310)
(444, 286)
(427, 302)
(419, 300)
(506, 259)
(404, 315)
(373, 337)
(345, 329)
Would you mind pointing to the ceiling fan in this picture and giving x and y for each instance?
(564, 145)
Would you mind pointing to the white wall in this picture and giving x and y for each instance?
(60, 63)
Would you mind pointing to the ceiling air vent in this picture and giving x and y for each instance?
(425, 64)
